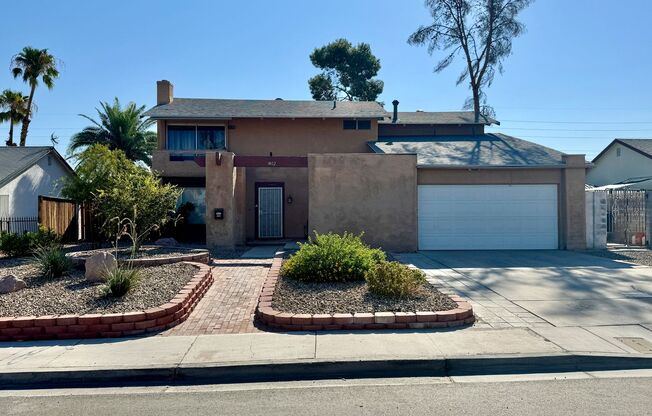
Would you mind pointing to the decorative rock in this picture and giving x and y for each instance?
(166, 242)
(11, 283)
(98, 265)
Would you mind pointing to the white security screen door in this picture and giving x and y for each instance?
(270, 212)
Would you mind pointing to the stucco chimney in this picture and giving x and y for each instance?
(395, 116)
(164, 93)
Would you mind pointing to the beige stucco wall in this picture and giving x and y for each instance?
(185, 168)
(225, 188)
(574, 202)
(373, 193)
(298, 137)
(501, 176)
(295, 181)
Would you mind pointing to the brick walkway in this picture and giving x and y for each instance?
(229, 305)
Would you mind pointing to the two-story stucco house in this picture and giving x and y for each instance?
(624, 163)
(274, 169)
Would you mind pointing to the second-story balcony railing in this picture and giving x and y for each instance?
(179, 162)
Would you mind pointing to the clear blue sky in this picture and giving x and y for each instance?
(579, 77)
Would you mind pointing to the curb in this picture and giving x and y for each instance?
(316, 370)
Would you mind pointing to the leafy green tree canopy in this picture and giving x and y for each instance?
(137, 204)
(129, 200)
(119, 128)
(97, 169)
(347, 72)
(481, 31)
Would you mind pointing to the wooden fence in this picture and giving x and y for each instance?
(59, 215)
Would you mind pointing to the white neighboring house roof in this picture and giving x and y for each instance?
(630, 183)
(14, 160)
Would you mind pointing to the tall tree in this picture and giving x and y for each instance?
(14, 104)
(480, 30)
(120, 128)
(347, 72)
(32, 64)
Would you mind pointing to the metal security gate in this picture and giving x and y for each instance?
(270, 211)
(626, 217)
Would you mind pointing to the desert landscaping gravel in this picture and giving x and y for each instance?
(72, 294)
(306, 297)
(639, 256)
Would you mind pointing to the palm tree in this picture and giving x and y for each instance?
(32, 64)
(119, 128)
(15, 105)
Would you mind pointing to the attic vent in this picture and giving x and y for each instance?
(419, 111)
(278, 99)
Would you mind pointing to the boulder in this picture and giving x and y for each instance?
(166, 242)
(98, 265)
(11, 283)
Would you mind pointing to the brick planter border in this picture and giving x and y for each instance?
(111, 325)
(197, 257)
(462, 315)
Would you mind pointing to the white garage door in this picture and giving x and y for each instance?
(487, 217)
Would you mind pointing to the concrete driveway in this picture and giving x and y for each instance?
(539, 288)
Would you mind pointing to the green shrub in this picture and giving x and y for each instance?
(393, 279)
(44, 237)
(332, 258)
(51, 261)
(16, 245)
(120, 281)
(19, 245)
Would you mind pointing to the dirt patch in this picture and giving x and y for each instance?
(350, 297)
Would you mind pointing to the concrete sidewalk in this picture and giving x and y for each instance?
(257, 356)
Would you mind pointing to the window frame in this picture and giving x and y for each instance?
(196, 127)
(355, 124)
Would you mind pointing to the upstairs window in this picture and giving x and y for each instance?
(195, 137)
(364, 124)
(356, 124)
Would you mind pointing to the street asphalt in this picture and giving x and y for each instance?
(568, 394)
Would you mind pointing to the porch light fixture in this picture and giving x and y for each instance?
(289, 199)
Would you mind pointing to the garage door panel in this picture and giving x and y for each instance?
(457, 217)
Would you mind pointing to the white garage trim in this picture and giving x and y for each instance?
(487, 217)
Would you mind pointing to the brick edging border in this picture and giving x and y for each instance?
(27, 328)
(201, 257)
(462, 315)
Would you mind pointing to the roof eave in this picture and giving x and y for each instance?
(552, 166)
(363, 116)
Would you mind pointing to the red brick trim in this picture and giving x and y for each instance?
(112, 324)
(462, 315)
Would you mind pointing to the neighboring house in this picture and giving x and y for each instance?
(624, 163)
(266, 169)
(27, 173)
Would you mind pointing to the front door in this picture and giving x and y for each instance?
(270, 210)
